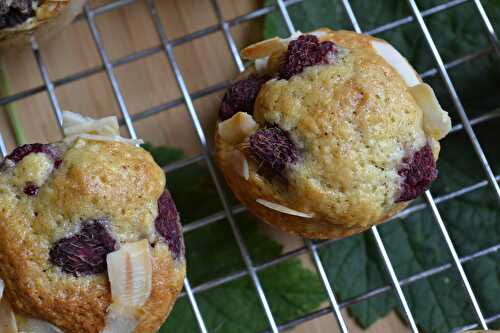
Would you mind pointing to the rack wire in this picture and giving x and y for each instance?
(310, 247)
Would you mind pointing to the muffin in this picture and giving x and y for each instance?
(90, 240)
(20, 20)
(328, 133)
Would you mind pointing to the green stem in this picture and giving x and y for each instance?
(15, 122)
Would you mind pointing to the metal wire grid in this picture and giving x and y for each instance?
(228, 212)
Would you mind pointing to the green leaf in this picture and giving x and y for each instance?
(212, 252)
(234, 307)
(164, 155)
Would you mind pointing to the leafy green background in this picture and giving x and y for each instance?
(415, 244)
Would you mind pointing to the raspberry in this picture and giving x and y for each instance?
(16, 13)
(85, 252)
(241, 96)
(168, 225)
(21, 152)
(31, 189)
(273, 149)
(304, 52)
(418, 172)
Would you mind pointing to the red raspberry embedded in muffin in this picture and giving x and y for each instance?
(241, 96)
(306, 51)
(21, 152)
(15, 12)
(31, 189)
(168, 225)
(85, 252)
(273, 149)
(418, 172)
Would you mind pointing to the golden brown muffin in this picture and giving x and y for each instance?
(328, 133)
(20, 20)
(90, 240)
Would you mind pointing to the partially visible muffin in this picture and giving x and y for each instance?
(20, 20)
(328, 133)
(90, 239)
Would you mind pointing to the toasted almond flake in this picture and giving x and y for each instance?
(104, 126)
(130, 274)
(2, 287)
(26, 324)
(283, 209)
(397, 61)
(261, 64)
(119, 324)
(437, 123)
(107, 138)
(246, 170)
(263, 49)
(72, 119)
(237, 160)
(435, 147)
(7, 318)
(318, 33)
(237, 128)
(321, 33)
(105, 129)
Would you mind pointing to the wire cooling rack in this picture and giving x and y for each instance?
(167, 45)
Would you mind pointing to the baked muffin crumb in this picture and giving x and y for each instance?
(353, 136)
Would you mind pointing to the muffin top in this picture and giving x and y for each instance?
(334, 131)
(65, 208)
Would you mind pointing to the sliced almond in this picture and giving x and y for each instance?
(105, 129)
(2, 287)
(104, 126)
(261, 64)
(130, 275)
(7, 318)
(72, 119)
(283, 209)
(397, 61)
(237, 160)
(29, 325)
(321, 33)
(237, 128)
(106, 138)
(119, 324)
(263, 48)
(318, 33)
(437, 123)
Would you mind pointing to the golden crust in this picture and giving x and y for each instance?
(49, 19)
(168, 278)
(96, 179)
(354, 121)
